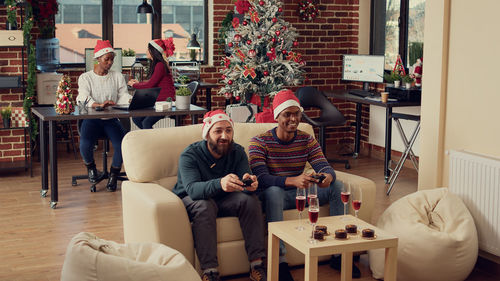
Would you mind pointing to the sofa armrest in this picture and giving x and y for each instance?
(368, 189)
(152, 213)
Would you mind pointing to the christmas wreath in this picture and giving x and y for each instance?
(308, 10)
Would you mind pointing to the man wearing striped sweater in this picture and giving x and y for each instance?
(278, 158)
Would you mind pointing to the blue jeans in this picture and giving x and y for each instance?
(92, 129)
(146, 122)
(276, 199)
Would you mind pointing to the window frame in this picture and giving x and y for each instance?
(107, 27)
(377, 28)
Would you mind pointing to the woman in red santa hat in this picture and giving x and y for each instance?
(98, 89)
(159, 76)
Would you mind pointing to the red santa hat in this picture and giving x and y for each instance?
(283, 100)
(166, 47)
(102, 47)
(213, 117)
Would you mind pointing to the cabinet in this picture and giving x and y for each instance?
(11, 40)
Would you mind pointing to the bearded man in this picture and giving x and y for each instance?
(209, 182)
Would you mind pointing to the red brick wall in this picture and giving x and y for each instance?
(321, 42)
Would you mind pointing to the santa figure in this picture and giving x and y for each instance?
(417, 72)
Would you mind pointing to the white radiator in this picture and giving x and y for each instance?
(476, 179)
(162, 123)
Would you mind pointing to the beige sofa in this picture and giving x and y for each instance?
(152, 213)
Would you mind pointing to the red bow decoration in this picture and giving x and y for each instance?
(254, 16)
(236, 22)
(249, 71)
(242, 6)
(241, 55)
(296, 57)
(227, 62)
(271, 55)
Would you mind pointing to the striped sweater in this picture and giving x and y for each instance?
(272, 160)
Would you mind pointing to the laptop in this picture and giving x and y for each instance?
(142, 98)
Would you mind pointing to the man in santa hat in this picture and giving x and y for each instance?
(209, 182)
(278, 158)
(98, 89)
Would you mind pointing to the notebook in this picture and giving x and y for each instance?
(143, 98)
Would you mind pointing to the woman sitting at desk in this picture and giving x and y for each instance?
(100, 88)
(159, 76)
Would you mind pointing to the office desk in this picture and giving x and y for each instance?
(208, 91)
(344, 95)
(48, 116)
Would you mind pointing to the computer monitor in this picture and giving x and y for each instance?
(363, 68)
(89, 60)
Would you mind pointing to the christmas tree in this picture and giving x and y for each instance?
(262, 61)
(64, 98)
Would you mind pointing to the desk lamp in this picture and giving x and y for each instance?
(193, 44)
(144, 8)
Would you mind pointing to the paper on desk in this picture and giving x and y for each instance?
(378, 99)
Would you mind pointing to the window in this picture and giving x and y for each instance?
(398, 28)
(80, 23)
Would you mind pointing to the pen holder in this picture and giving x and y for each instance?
(82, 108)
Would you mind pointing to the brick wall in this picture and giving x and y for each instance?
(321, 42)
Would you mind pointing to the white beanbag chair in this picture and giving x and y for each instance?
(89, 258)
(437, 237)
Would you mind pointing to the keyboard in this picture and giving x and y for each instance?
(360, 93)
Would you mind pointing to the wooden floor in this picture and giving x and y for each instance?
(33, 237)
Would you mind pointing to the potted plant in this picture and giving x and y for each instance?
(128, 57)
(182, 97)
(6, 112)
(393, 78)
(11, 23)
(408, 80)
(169, 102)
(183, 79)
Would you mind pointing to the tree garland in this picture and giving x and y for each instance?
(308, 10)
(31, 82)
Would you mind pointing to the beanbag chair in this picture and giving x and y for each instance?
(89, 258)
(437, 237)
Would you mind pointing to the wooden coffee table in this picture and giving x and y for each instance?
(285, 230)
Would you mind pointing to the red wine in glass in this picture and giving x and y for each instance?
(309, 196)
(300, 203)
(356, 204)
(344, 196)
(313, 216)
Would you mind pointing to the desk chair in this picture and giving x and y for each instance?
(126, 125)
(408, 145)
(193, 86)
(329, 115)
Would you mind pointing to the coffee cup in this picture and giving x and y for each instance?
(384, 96)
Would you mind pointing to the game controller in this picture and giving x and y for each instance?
(99, 108)
(247, 182)
(319, 177)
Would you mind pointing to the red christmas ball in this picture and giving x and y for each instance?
(272, 50)
(244, 22)
(284, 52)
(230, 82)
(223, 76)
(266, 73)
(249, 42)
(230, 44)
(275, 20)
(252, 53)
(237, 98)
(284, 27)
(260, 36)
(261, 3)
(278, 33)
(295, 43)
(273, 40)
(280, 10)
(237, 38)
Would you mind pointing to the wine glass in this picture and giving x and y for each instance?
(300, 203)
(312, 193)
(357, 198)
(313, 216)
(344, 196)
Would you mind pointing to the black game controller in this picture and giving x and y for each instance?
(99, 108)
(319, 177)
(247, 182)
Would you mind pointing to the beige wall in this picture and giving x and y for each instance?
(461, 96)
(364, 27)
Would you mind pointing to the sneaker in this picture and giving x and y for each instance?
(284, 273)
(336, 262)
(258, 273)
(210, 276)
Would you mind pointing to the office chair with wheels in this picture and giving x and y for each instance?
(311, 97)
(126, 125)
(193, 86)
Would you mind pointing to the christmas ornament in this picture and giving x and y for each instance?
(273, 40)
(237, 38)
(295, 43)
(266, 73)
(249, 42)
(244, 22)
(308, 10)
(252, 53)
(230, 82)
(230, 44)
(261, 3)
(278, 33)
(280, 10)
(275, 20)
(64, 98)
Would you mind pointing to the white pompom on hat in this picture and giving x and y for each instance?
(283, 100)
(213, 117)
(102, 47)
